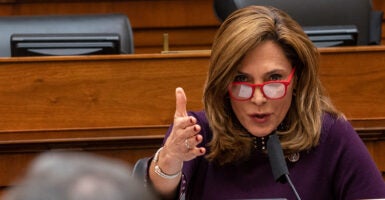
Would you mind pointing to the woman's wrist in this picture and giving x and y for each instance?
(158, 170)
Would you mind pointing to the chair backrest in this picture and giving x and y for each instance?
(320, 13)
(140, 173)
(140, 169)
(63, 24)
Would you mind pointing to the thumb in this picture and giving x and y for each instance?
(181, 102)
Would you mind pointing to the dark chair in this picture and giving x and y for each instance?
(139, 172)
(320, 13)
(66, 24)
(140, 169)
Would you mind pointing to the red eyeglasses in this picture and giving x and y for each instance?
(243, 91)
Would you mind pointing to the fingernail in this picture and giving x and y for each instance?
(192, 120)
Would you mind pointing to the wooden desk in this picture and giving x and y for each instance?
(121, 106)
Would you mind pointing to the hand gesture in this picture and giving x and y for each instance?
(184, 137)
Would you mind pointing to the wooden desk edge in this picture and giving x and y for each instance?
(175, 54)
(169, 55)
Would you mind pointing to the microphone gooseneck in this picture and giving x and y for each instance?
(278, 163)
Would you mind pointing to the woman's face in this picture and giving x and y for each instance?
(260, 115)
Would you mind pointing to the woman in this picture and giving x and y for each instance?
(263, 79)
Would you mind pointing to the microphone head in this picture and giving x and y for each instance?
(276, 158)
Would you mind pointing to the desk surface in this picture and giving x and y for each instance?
(138, 89)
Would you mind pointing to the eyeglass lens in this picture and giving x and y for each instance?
(274, 90)
(244, 91)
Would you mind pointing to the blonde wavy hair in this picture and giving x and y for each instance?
(242, 31)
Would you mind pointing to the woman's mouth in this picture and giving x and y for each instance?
(260, 118)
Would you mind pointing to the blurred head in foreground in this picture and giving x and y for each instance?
(77, 176)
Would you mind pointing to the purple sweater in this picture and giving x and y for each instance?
(340, 167)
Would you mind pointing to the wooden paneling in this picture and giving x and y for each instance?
(96, 91)
(376, 147)
(143, 14)
(378, 5)
(125, 90)
(347, 69)
(15, 155)
(120, 106)
(191, 24)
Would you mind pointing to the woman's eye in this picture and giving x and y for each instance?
(240, 78)
(275, 77)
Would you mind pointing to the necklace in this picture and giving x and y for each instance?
(260, 143)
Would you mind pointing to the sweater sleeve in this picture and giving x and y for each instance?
(356, 176)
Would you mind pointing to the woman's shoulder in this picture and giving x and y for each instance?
(337, 129)
(332, 122)
(353, 165)
(329, 120)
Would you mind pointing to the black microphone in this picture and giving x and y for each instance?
(278, 163)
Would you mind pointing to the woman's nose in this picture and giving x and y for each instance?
(258, 97)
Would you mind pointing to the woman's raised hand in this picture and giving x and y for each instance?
(184, 137)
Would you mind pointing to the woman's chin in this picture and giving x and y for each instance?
(260, 132)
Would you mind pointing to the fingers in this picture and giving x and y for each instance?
(191, 145)
(181, 103)
(191, 130)
(181, 119)
(184, 138)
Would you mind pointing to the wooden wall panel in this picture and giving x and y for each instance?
(191, 21)
(143, 14)
(99, 92)
(363, 63)
(191, 24)
(378, 5)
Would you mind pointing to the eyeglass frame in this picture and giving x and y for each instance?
(261, 85)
